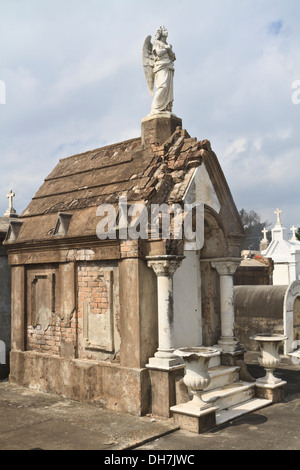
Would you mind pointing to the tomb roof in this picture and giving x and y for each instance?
(148, 173)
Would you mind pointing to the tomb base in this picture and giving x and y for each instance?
(110, 385)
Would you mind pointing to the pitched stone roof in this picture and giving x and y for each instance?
(125, 169)
(82, 182)
(149, 173)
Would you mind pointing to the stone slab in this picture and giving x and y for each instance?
(222, 375)
(229, 395)
(233, 412)
(34, 420)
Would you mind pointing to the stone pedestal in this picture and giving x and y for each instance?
(269, 386)
(196, 415)
(197, 422)
(158, 128)
(163, 389)
(270, 392)
(226, 268)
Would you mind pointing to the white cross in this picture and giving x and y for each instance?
(10, 197)
(265, 231)
(293, 229)
(278, 212)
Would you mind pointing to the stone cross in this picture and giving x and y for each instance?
(293, 229)
(278, 212)
(265, 231)
(11, 212)
(10, 197)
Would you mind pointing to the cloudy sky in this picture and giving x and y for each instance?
(74, 81)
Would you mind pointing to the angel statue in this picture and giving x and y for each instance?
(158, 63)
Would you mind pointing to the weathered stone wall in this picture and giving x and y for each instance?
(86, 327)
(74, 315)
(117, 388)
(47, 330)
(210, 291)
(214, 247)
(5, 308)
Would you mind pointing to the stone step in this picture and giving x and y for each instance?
(215, 361)
(225, 415)
(229, 395)
(222, 375)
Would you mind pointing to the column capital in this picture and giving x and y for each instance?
(164, 265)
(226, 266)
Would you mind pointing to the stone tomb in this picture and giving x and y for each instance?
(10, 216)
(285, 253)
(98, 320)
(268, 309)
(273, 308)
(4, 303)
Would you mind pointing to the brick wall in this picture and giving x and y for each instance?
(91, 289)
(49, 340)
(129, 248)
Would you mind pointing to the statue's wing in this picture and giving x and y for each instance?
(148, 64)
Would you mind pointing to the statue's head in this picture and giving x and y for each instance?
(162, 31)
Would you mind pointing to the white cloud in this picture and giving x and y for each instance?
(237, 147)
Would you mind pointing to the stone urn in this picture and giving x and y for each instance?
(269, 355)
(196, 378)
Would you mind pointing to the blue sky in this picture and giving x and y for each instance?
(74, 81)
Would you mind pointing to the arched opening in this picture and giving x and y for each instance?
(215, 246)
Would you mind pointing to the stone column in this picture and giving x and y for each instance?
(164, 268)
(226, 269)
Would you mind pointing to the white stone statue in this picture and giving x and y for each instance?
(158, 63)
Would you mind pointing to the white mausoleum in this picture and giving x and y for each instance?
(285, 254)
